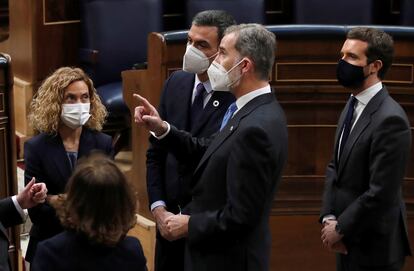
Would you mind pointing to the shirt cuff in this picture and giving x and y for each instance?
(164, 134)
(18, 207)
(328, 217)
(157, 204)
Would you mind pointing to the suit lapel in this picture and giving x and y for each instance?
(232, 125)
(339, 131)
(185, 91)
(86, 142)
(213, 104)
(59, 157)
(361, 125)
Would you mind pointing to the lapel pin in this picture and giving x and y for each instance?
(216, 103)
(231, 128)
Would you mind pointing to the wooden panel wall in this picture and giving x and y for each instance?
(8, 184)
(37, 46)
(304, 79)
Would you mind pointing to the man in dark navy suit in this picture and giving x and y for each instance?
(226, 224)
(11, 213)
(363, 212)
(189, 103)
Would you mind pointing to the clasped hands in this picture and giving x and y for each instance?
(171, 227)
(331, 239)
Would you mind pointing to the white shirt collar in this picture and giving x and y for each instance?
(366, 95)
(206, 84)
(243, 100)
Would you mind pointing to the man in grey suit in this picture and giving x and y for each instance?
(11, 214)
(226, 223)
(363, 213)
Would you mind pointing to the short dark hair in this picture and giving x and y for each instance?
(257, 43)
(380, 46)
(99, 202)
(218, 18)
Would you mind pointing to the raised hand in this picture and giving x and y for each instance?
(146, 115)
(32, 194)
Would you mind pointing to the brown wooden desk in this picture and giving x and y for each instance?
(305, 83)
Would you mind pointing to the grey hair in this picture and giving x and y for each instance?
(258, 44)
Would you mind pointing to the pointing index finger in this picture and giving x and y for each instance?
(142, 100)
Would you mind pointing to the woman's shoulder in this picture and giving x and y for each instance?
(132, 250)
(130, 241)
(42, 138)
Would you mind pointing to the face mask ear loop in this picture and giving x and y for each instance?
(238, 63)
(214, 55)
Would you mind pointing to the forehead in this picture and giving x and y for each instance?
(198, 32)
(77, 87)
(229, 41)
(354, 46)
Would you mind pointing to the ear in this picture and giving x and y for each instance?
(247, 65)
(376, 66)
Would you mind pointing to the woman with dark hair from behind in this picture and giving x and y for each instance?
(97, 211)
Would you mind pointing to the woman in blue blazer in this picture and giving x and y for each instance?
(97, 211)
(68, 113)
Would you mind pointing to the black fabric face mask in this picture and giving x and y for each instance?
(348, 75)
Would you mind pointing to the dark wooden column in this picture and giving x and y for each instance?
(8, 183)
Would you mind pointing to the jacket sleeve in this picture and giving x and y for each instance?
(327, 208)
(387, 161)
(9, 216)
(156, 158)
(184, 146)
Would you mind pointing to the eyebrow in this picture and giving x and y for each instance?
(221, 48)
(74, 95)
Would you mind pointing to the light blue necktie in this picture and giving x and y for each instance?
(229, 113)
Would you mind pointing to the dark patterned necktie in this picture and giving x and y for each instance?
(346, 127)
(198, 104)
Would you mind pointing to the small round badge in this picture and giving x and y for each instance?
(216, 103)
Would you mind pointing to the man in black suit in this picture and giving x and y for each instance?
(11, 213)
(200, 113)
(226, 223)
(363, 212)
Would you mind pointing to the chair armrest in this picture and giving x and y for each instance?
(140, 66)
(88, 56)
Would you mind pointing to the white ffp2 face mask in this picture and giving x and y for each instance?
(220, 79)
(195, 61)
(75, 115)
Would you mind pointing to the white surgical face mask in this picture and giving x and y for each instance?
(75, 115)
(220, 79)
(195, 61)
